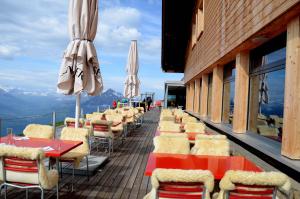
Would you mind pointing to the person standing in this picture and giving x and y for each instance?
(114, 104)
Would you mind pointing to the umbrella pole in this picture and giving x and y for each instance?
(77, 110)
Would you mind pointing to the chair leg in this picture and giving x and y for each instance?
(42, 193)
(73, 177)
(5, 191)
(26, 193)
(87, 168)
(61, 170)
(57, 191)
(109, 147)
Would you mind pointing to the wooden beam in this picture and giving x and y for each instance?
(192, 90)
(291, 124)
(197, 95)
(241, 93)
(204, 95)
(187, 99)
(217, 93)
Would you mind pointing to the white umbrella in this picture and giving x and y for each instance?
(79, 70)
(132, 83)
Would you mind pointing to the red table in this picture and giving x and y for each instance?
(218, 165)
(191, 135)
(60, 146)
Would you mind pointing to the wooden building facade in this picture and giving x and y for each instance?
(241, 64)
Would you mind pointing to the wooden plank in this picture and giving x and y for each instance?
(217, 94)
(291, 125)
(197, 96)
(192, 95)
(241, 93)
(204, 95)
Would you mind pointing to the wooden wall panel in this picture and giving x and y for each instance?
(197, 96)
(291, 124)
(204, 95)
(217, 93)
(192, 95)
(241, 93)
(229, 24)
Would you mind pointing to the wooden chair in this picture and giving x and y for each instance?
(253, 185)
(176, 183)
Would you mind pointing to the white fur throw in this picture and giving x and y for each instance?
(70, 119)
(47, 179)
(187, 119)
(177, 175)
(167, 134)
(39, 131)
(197, 127)
(213, 137)
(276, 179)
(76, 134)
(173, 145)
(219, 147)
(170, 127)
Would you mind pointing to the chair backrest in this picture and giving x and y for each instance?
(211, 137)
(39, 131)
(197, 127)
(217, 147)
(101, 125)
(175, 183)
(167, 134)
(20, 165)
(187, 119)
(172, 145)
(167, 118)
(170, 127)
(70, 122)
(249, 185)
(76, 134)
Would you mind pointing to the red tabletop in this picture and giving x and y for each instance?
(191, 135)
(218, 165)
(60, 146)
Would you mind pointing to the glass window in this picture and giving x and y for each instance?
(267, 78)
(228, 93)
(209, 99)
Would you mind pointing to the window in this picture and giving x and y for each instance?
(199, 19)
(267, 78)
(228, 93)
(210, 78)
(198, 22)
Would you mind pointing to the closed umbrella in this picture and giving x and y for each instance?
(79, 70)
(132, 82)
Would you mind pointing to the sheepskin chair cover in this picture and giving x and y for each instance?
(187, 119)
(197, 127)
(116, 119)
(276, 179)
(165, 123)
(166, 111)
(76, 134)
(170, 127)
(110, 111)
(71, 119)
(39, 131)
(103, 122)
(167, 118)
(211, 137)
(219, 147)
(178, 175)
(48, 179)
(173, 145)
(173, 134)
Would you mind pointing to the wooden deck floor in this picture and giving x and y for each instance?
(122, 177)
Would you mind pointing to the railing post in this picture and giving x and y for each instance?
(98, 109)
(54, 123)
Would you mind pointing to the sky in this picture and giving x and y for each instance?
(34, 35)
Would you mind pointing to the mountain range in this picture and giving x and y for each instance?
(19, 107)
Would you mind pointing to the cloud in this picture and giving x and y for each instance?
(7, 51)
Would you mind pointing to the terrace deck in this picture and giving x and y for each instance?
(122, 177)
